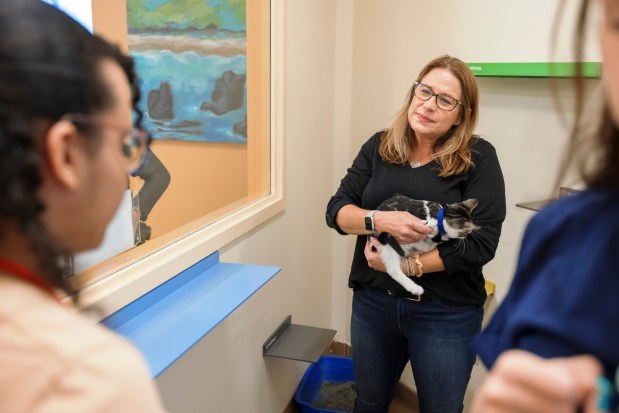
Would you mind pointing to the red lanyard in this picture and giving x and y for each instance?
(18, 271)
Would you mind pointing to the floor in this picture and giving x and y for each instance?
(396, 407)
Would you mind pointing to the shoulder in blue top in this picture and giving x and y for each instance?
(564, 299)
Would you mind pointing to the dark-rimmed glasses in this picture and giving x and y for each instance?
(443, 101)
(135, 141)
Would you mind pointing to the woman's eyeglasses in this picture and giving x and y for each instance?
(444, 102)
(135, 142)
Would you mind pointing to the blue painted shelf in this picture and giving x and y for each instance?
(169, 320)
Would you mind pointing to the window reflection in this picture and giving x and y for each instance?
(191, 183)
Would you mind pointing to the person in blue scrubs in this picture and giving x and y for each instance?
(563, 300)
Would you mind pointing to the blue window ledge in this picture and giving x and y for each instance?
(170, 319)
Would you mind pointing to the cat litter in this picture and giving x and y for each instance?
(328, 386)
(336, 396)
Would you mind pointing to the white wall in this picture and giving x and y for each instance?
(343, 147)
(225, 372)
(349, 65)
(517, 116)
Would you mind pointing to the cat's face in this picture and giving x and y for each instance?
(458, 221)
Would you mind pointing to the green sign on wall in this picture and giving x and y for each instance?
(534, 69)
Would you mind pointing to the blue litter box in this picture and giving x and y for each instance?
(326, 369)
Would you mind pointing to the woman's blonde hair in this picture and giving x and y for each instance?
(595, 155)
(452, 151)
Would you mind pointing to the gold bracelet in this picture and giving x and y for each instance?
(419, 272)
(409, 263)
(408, 267)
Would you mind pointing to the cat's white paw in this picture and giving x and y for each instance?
(410, 285)
(415, 289)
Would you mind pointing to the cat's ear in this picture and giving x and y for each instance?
(470, 204)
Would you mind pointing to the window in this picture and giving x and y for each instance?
(197, 216)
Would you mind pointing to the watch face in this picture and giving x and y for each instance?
(369, 224)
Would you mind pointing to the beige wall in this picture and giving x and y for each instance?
(205, 176)
(349, 64)
(516, 115)
(225, 372)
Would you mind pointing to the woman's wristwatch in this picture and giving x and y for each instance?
(369, 222)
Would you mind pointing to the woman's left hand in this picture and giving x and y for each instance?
(523, 382)
(372, 254)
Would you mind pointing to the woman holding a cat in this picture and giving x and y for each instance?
(428, 153)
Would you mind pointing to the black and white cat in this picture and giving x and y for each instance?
(451, 221)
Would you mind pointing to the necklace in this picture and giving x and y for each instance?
(415, 164)
(18, 271)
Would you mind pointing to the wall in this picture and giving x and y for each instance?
(344, 148)
(226, 372)
(195, 166)
(349, 65)
(517, 116)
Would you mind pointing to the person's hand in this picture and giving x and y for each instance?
(403, 226)
(372, 254)
(522, 382)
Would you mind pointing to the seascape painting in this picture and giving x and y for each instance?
(192, 63)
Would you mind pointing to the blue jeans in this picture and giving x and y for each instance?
(387, 332)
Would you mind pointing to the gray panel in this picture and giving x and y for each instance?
(298, 342)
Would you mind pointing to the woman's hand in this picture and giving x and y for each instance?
(522, 382)
(372, 254)
(403, 226)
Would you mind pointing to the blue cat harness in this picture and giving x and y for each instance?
(441, 229)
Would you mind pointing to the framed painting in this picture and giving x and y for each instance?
(213, 183)
(192, 60)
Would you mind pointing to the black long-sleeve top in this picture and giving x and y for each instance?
(370, 180)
